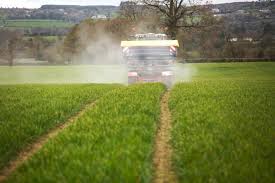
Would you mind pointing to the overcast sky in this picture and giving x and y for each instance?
(38, 3)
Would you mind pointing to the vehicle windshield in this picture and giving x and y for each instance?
(150, 55)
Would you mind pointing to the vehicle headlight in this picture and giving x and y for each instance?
(132, 74)
(167, 73)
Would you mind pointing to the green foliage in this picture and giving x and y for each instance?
(28, 111)
(112, 142)
(223, 131)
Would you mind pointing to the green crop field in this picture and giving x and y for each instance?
(223, 131)
(118, 74)
(226, 71)
(112, 142)
(222, 123)
(31, 23)
(63, 74)
(27, 111)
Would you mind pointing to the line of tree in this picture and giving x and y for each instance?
(201, 35)
(175, 15)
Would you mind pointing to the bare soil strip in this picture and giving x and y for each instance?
(162, 155)
(25, 154)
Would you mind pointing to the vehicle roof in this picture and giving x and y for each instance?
(150, 43)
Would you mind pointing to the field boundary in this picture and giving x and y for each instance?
(26, 153)
(225, 60)
(163, 172)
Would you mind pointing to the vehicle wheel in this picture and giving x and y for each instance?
(132, 80)
(168, 82)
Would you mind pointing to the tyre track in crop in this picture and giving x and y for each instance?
(163, 172)
(25, 154)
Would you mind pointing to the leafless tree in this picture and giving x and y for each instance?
(3, 18)
(180, 14)
(71, 44)
(11, 50)
(131, 10)
(8, 42)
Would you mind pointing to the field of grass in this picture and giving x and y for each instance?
(222, 123)
(226, 71)
(37, 23)
(28, 111)
(63, 74)
(118, 74)
(112, 142)
(223, 131)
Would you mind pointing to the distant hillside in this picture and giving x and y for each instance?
(248, 6)
(77, 7)
(247, 17)
(69, 13)
(75, 13)
(251, 19)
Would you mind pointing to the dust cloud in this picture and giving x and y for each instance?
(101, 51)
(184, 72)
(100, 61)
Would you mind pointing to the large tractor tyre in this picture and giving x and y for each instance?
(168, 82)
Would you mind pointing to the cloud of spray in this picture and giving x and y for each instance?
(104, 49)
(101, 49)
(184, 72)
(100, 61)
(100, 41)
(103, 53)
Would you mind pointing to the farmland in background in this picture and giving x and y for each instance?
(28, 111)
(223, 131)
(111, 142)
(48, 38)
(36, 23)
